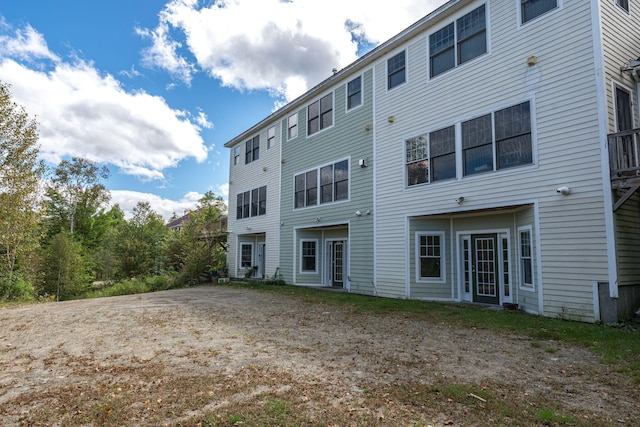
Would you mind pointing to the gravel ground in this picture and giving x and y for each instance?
(177, 357)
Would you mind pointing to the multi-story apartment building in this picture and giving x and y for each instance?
(485, 154)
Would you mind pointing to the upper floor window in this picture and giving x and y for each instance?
(320, 114)
(271, 137)
(531, 9)
(458, 42)
(431, 157)
(513, 145)
(623, 4)
(236, 155)
(334, 185)
(252, 203)
(354, 93)
(252, 150)
(292, 126)
(396, 70)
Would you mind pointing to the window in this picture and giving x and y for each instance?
(236, 155)
(396, 74)
(246, 252)
(526, 257)
(320, 114)
(513, 136)
(334, 185)
(252, 203)
(252, 151)
(467, 36)
(430, 265)
(513, 145)
(623, 109)
(354, 93)
(308, 258)
(531, 9)
(438, 148)
(292, 126)
(623, 4)
(271, 137)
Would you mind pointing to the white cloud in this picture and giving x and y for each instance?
(85, 113)
(127, 200)
(25, 44)
(284, 47)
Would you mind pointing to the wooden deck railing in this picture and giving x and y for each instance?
(624, 157)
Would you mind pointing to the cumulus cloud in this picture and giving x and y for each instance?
(127, 200)
(284, 47)
(85, 113)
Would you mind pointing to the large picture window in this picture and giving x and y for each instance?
(308, 259)
(431, 157)
(396, 70)
(458, 42)
(252, 203)
(531, 9)
(513, 142)
(334, 185)
(429, 259)
(354, 93)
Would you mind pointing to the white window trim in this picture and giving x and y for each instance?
(317, 169)
(333, 114)
(346, 94)
(297, 125)
(406, 69)
(443, 260)
(240, 267)
(621, 9)
(275, 135)
(537, 18)
(619, 85)
(521, 285)
(302, 242)
(487, 11)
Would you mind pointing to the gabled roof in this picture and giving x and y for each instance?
(362, 62)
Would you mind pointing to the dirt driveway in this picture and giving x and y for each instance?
(221, 355)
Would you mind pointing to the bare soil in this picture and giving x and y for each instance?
(219, 355)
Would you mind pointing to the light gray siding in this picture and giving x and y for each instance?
(559, 101)
(246, 177)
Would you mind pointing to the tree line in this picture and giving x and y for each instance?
(59, 236)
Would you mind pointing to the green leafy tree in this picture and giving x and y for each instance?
(204, 238)
(20, 175)
(65, 269)
(106, 263)
(139, 242)
(73, 198)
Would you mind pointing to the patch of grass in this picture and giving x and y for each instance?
(617, 344)
(549, 416)
(133, 286)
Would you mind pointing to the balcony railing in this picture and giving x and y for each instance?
(624, 158)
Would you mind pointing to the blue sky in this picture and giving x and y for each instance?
(153, 89)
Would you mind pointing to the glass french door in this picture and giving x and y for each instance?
(485, 269)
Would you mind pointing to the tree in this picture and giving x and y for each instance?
(203, 237)
(20, 175)
(74, 195)
(66, 273)
(139, 242)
